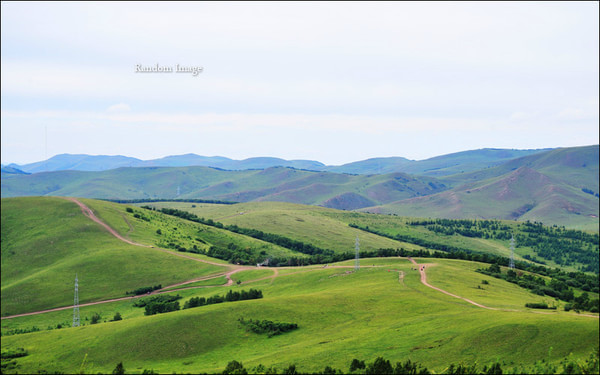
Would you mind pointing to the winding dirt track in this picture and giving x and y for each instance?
(231, 270)
(424, 281)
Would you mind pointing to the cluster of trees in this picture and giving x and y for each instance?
(539, 305)
(556, 287)
(159, 304)
(414, 240)
(235, 254)
(591, 192)
(379, 366)
(580, 280)
(563, 246)
(583, 302)
(130, 201)
(231, 296)
(144, 290)
(468, 228)
(267, 327)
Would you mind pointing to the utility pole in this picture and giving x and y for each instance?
(76, 304)
(357, 248)
(511, 264)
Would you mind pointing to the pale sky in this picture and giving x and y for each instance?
(334, 82)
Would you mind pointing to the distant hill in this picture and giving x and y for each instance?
(554, 187)
(444, 165)
(460, 162)
(557, 186)
(272, 184)
(80, 162)
(102, 163)
(6, 170)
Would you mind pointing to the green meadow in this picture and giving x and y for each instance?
(382, 309)
(329, 228)
(342, 315)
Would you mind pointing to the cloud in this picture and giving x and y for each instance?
(118, 108)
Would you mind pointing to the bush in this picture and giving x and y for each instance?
(235, 367)
(95, 318)
(267, 327)
(537, 305)
(117, 317)
(356, 365)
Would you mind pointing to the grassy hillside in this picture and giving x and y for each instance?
(523, 194)
(331, 229)
(178, 234)
(315, 225)
(340, 315)
(47, 241)
(444, 165)
(577, 166)
(273, 184)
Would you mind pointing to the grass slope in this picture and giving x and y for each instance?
(273, 184)
(523, 194)
(341, 316)
(47, 241)
(329, 228)
(175, 232)
(315, 225)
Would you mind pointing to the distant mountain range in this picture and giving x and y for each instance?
(437, 166)
(554, 186)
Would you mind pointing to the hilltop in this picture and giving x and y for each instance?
(556, 187)
(437, 166)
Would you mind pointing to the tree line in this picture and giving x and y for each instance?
(231, 296)
(555, 288)
(131, 201)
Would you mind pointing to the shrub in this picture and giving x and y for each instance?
(235, 367)
(95, 318)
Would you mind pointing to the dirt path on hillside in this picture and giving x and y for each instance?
(424, 282)
(90, 214)
(232, 269)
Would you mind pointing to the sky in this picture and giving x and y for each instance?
(329, 81)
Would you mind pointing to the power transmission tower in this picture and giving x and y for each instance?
(76, 304)
(511, 264)
(357, 248)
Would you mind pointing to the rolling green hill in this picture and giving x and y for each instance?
(558, 187)
(330, 229)
(341, 315)
(383, 309)
(273, 184)
(46, 242)
(439, 166)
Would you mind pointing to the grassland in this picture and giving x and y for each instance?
(318, 226)
(328, 228)
(381, 310)
(176, 233)
(46, 242)
(341, 316)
